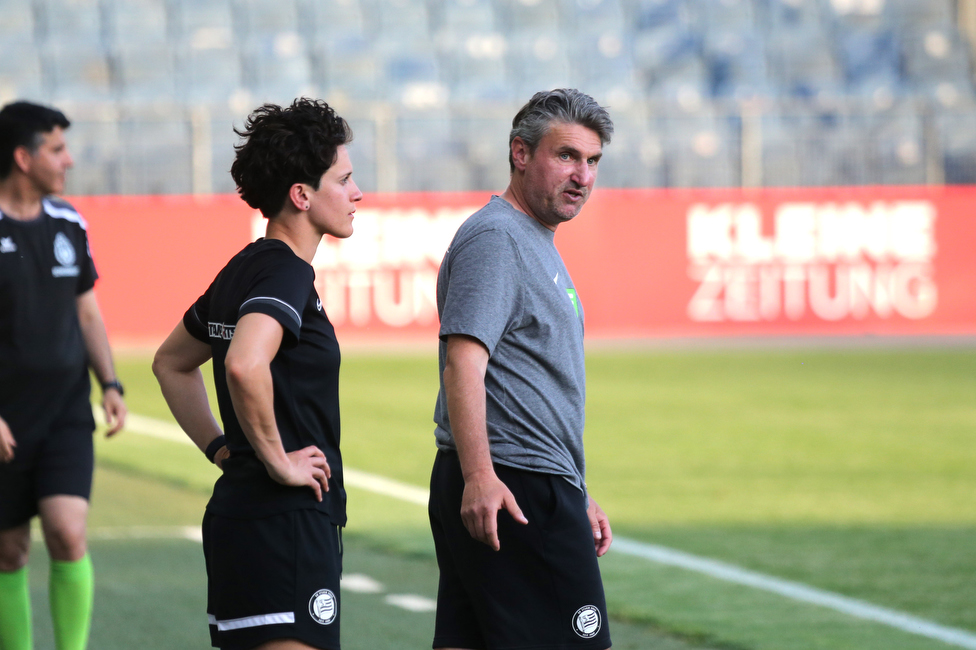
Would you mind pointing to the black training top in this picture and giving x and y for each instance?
(268, 278)
(45, 264)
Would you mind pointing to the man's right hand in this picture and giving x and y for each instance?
(483, 497)
(7, 443)
(307, 467)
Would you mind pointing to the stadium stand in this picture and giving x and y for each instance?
(816, 91)
(154, 157)
(17, 28)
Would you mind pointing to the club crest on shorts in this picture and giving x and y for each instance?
(586, 621)
(322, 607)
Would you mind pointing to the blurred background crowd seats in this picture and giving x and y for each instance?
(704, 93)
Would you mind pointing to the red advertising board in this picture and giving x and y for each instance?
(646, 263)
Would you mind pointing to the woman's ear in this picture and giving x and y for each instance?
(298, 194)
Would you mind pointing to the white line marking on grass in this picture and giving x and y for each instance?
(191, 533)
(356, 478)
(148, 427)
(660, 554)
(110, 533)
(796, 591)
(411, 602)
(385, 486)
(361, 584)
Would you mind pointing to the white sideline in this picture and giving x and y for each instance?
(113, 533)
(659, 554)
(371, 482)
(796, 591)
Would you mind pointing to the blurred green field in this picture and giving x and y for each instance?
(852, 471)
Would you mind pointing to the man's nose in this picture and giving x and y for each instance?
(584, 174)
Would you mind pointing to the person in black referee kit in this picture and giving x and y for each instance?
(51, 332)
(516, 533)
(272, 529)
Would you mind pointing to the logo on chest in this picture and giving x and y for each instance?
(7, 245)
(571, 294)
(573, 298)
(64, 253)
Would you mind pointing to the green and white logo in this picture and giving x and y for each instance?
(574, 299)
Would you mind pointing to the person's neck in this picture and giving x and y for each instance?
(513, 194)
(301, 239)
(19, 202)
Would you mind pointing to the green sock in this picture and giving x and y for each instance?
(15, 610)
(72, 593)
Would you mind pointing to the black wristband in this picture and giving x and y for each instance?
(115, 383)
(214, 447)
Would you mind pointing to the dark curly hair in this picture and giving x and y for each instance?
(284, 146)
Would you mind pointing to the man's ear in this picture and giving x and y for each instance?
(23, 159)
(520, 153)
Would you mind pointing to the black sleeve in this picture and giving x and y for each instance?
(87, 273)
(195, 319)
(281, 291)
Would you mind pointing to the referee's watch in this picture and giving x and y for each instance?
(116, 384)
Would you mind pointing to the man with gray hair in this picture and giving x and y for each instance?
(516, 532)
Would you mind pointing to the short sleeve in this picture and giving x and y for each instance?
(195, 319)
(281, 292)
(482, 292)
(86, 272)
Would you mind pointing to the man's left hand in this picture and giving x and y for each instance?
(602, 536)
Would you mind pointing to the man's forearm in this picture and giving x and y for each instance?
(464, 385)
(467, 412)
(484, 494)
(95, 337)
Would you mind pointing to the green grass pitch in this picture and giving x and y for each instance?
(851, 470)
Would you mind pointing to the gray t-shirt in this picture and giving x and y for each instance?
(503, 282)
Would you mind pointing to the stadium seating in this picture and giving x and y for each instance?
(957, 141)
(144, 73)
(77, 72)
(483, 143)
(155, 157)
(535, 62)
(883, 88)
(77, 23)
(899, 142)
(700, 151)
(322, 22)
(96, 148)
(17, 27)
(143, 22)
(208, 73)
(21, 73)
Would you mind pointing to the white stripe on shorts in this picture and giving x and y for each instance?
(252, 621)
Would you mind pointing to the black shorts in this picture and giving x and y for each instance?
(51, 421)
(273, 578)
(542, 590)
